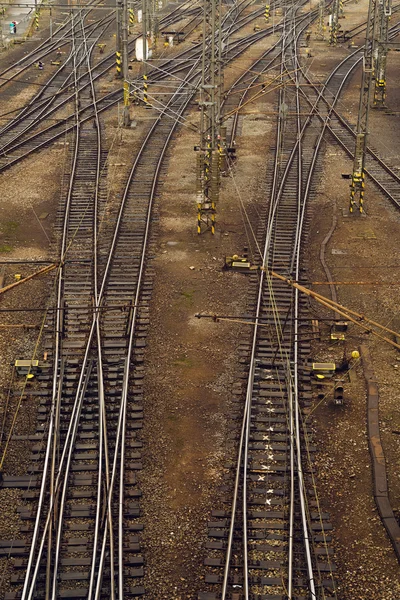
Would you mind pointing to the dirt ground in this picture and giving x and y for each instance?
(360, 249)
(192, 364)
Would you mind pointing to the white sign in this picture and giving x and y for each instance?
(139, 49)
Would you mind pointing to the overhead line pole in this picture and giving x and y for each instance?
(358, 176)
(384, 14)
(145, 47)
(125, 70)
(118, 39)
(321, 20)
(209, 156)
(334, 23)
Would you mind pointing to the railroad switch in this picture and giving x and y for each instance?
(101, 48)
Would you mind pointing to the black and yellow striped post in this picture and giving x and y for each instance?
(208, 181)
(199, 207)
(214, 186)
(333, 34)
(36, 20)
(118, 63)
(131, 18)
(145, 89)
(199, 187)
(266, 12)
(207, 164)
(380, 92)
(362, 190)
(357, 185)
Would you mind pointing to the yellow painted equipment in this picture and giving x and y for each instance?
(323, 370)
(240, 263)
(25, 367)
(338, 330)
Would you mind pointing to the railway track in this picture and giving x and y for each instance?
(82, 492)
(38, 135)
(274, 541)
(86, 539)
(29, 130)
(324, 104)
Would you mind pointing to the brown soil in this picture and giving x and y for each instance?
(191, 363)
(360, 249)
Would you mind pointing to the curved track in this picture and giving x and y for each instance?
(85, 506)
(83, 493)
(277, 541)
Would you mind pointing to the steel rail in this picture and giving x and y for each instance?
(103, 439)
(119, 445)
(301, 201)
(45, 108)
(52, 45)
(76, 409)
(70, 434)
(292, 431)
(333, 111)
(192, 51)
(297, 268)
(293, 406)
(243, 442)
(37, 101)
(87, 55)
(54, 426)
(286, 48)
(55, 395)
(165, 21)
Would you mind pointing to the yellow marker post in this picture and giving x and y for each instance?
(118, 61)
(126, 93)
(145, 90)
